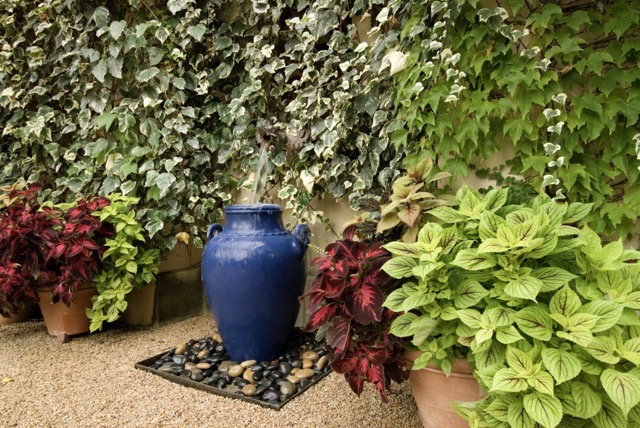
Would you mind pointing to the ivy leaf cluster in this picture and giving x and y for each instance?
(558, 82)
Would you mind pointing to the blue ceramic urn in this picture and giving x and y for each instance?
(254, 271)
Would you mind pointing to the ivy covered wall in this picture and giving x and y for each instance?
(163, 99)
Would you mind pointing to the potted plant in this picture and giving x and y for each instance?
(48, 254)
(345, 300)
(126, 264)
(78, 260)
(544, 313)
(345, 306)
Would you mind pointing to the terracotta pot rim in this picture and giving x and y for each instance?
(460, 367)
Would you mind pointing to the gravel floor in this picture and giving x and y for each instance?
(91, 382)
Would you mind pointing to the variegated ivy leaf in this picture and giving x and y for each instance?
(560, 98)
(551, 113)
(549, 180)
(550, 148)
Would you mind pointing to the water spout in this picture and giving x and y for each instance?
(262, 171)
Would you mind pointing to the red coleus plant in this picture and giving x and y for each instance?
(47, 247)
(346, 299)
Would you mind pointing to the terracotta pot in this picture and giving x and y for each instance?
(27, 312)
(434, 392)
(140, 305)
(63, 321)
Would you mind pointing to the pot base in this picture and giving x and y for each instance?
(434, 393)
(63, 321)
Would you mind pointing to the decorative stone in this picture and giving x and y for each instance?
(293, 379)
(295, 370)
(305, 373)
(197, 377)
(216, 337)
(307, 364)
(322, 362)
(257, 375)
(296, 364)
(248, 375)
(249, 390)
(285, 368)
(179, 359)
(190, 366)
(224, 366)
(320, 351)
(248, 363)
(287, 388)
(310, 355)
(235, 371)
(269, 395)
(203, 354)
(180, 349)
(203, 366)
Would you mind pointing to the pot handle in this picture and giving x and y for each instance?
(303, 234)
(215, 227)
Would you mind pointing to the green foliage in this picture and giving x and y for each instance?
(540, 307)
(126, 265)
(557, 81)
(161, 100)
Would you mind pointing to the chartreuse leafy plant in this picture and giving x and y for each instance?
(542, 309)
(126, 264)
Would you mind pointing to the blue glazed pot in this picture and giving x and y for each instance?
(254, 272)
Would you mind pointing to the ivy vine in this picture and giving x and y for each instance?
(559, 81)
(162, 101)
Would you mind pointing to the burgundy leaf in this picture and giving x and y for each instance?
(362, 367)
(338, 334)
(366, 304)
(355, 383)
(344, 365)
(321, 316)
(376, 356)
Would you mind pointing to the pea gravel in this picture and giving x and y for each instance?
(91, 382)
